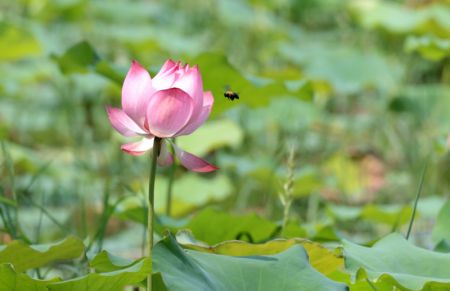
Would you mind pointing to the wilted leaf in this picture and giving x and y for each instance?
(322, 259)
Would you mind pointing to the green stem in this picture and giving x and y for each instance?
(173, 167)
(13, 222)
(151, 199)
(288, 186)
(285, 216)
(416, 201)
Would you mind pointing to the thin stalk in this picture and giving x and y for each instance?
(83, 218)
(151, 199)
(416, 201)
(13, 223)
(40, 218)
(313, 207)
(286, 196)
(144, 230)
(5, 221)
(172, 170)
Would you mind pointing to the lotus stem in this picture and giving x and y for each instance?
(172, 170)
(151, 199)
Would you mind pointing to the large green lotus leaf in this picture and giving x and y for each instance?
(83, 58)
(190, 191)
(430, 102)
(322, 259)
(441, 231)
(361, 283)
(11, 280)
(430, 206)
(348, 175)
(218, 73)
(106, 262)
(429, 47)
(193, 270)
(120, 12)
(346, 69)
(214, 226)
(344, 212)
(386, 214)
(326, 233)
(443, 246)
(210, 139)
(17, 43)
(79, 58)
(115, 280)
(391, 16)
(74, 10)
(400, 19)
(306, 181)
(395, 260)
(24, 257)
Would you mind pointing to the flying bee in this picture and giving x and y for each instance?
(230, 94)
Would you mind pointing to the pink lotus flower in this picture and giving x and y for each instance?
(171, 104)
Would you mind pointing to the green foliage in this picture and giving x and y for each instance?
(10, 280)
(24, 257)
(106, 262)
(429, 47)
(190, 192)
(346, 70)
(222, 74)
(441, 231)
(78, 58)
(387, 214)
(322, 259)
(397, 18)
(357, 88)
(17, 43)
(114, 280)
(213, 226)
(398, 262)
(231, 136)
(192, 270)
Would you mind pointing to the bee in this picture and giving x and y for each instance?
(230, 94)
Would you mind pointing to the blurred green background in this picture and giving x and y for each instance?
(360, 90)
